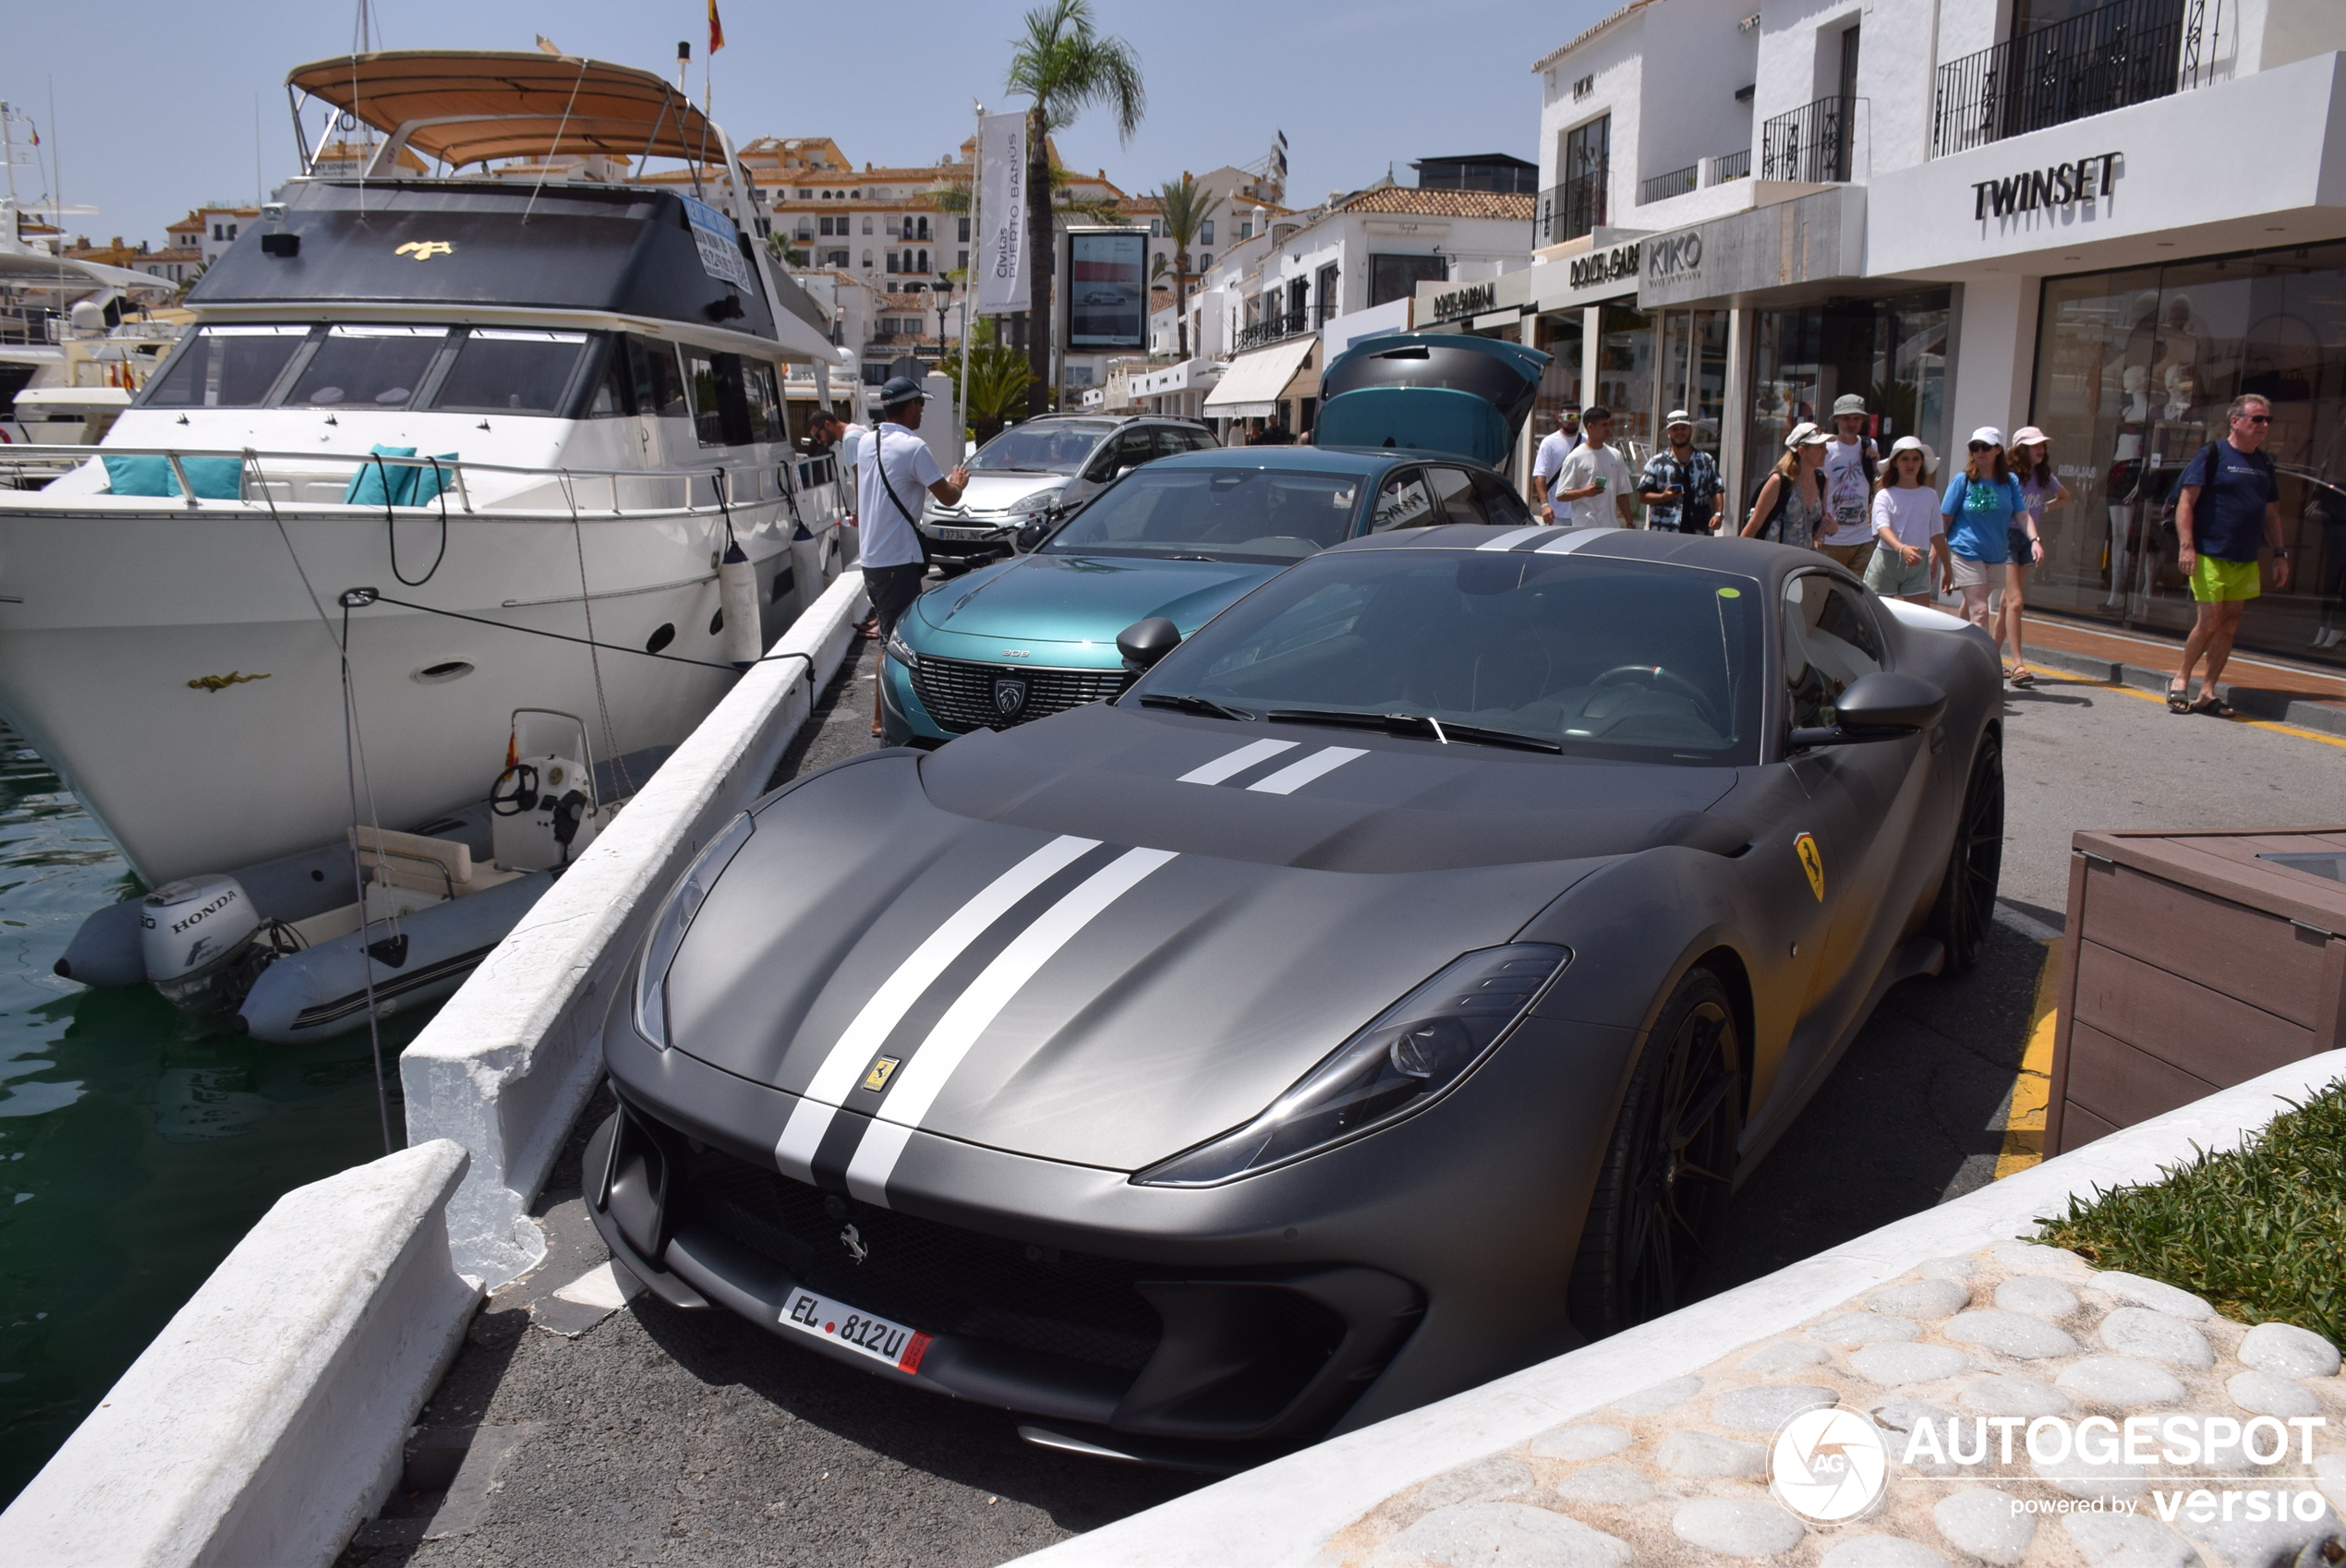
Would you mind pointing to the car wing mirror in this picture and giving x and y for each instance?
(1145, 641)
(1035, 529)
(1885, 705)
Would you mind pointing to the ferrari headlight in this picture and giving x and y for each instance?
(900, 650)
(1406, 1058)
(676, 918)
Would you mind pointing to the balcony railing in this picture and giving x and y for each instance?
(2129, 53)
(1811, 144)
(1274, 326)
(1736, 166)
(1662, 188)
(1570, 210)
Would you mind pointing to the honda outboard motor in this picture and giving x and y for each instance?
(193, 932)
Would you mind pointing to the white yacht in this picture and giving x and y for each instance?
(520, 415)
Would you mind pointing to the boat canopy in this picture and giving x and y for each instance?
(469, 106)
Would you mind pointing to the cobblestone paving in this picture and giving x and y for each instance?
(1679, 1473)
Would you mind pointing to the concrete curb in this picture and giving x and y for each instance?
(505, 1067)
(2255, 702)
(1283, 1514)
(266, 1419)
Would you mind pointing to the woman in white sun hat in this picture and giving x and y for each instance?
(1912, 554)
(1790, 506)
(2041, 488)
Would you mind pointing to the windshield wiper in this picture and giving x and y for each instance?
(1188, 702)
(1415, 723)
(1188, 558)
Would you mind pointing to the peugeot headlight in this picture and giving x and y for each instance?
(1406, 1058)
(900, 650)
(676, 918)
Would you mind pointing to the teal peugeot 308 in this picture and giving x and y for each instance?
(1411, 428)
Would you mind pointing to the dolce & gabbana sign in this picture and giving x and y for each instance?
(1604, 266)
(1468, 301)
(2040, 188)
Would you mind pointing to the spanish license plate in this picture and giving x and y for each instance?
(821, 1317)
(971, 534)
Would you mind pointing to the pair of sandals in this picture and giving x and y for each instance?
(2179, 701)
(2021, 676)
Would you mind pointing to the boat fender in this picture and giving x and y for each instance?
(192, 932)
(737, 591)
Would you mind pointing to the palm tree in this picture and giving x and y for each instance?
(1185, 206)
(1064, 66)
(999, 379)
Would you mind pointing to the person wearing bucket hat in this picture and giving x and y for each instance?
(1910, 551)
(1979, 507)
(894, 470)
(1851, 463)
(1790, 505)
(2042, 490)
(1680, 483)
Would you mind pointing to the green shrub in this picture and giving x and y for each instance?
(2260, 1232)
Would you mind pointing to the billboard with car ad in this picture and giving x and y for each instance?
(1106, 289)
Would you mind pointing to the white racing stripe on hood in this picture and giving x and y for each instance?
(1572, 541)
(1234, 763)
(1513, 538)
(1296, 775)
(811, 1118)
(925, 1073)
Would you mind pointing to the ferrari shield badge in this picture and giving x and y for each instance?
(1812, 861)
(878, 1078)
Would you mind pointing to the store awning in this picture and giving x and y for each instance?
(1252, 387)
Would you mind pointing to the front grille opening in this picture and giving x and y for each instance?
(961, 696)
(934, 1277)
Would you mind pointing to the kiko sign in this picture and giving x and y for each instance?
(2038, 189)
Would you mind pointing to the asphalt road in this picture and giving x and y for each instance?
(660, 1437)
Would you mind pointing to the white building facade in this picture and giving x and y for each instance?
(2107, 221)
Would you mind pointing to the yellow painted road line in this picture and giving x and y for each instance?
(2032, 1090)
(2252, 723)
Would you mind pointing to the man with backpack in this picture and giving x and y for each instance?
(2227, 507)
(894, 469)
(1851, 463)
(1680, 485)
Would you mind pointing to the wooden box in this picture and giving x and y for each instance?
(2194, 962)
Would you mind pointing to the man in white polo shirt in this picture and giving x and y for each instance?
(893, 471)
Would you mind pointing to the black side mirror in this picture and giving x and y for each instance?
(1035, 529)
(1884, 706)
(1145, 641)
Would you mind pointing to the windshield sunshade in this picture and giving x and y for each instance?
(368, 367)
(512, 371)
(1624, 659)
(225, 367)
(1216, 513)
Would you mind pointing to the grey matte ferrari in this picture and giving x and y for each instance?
(1385, 992)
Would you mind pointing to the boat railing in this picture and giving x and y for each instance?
(728, 484)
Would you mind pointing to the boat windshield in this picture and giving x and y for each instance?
(1055, 448)
(378, 366)
(226, 367)
(511, 369)
(1210, 514)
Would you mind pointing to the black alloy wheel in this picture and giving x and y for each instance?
(1663, 1189)
(1975, 864)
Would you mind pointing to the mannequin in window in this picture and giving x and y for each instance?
(2125, 475)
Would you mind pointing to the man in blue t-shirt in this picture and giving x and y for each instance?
(2227, 507)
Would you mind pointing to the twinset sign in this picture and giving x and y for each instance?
(2041, 189)
(1674, 256)
(1466, 301)
(1604, 266)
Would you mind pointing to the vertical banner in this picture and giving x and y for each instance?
(1001, 210)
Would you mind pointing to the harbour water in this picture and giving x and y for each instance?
(136, 1146)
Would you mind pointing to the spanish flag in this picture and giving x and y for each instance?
(716, 28)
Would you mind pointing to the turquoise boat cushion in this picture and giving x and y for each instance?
(381, 484)
(214, 479)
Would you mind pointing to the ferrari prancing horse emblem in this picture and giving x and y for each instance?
(425, 249)
(1812, 861)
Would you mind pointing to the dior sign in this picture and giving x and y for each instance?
(1604, 266)
(2040, 188)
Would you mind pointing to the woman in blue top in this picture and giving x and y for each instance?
(1979, 508)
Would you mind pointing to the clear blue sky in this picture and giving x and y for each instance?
(155, 98)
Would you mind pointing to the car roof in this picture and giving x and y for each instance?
(1750, 558)
(1316, 459)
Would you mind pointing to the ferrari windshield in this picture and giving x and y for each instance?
(1633, 660)
(1185, 513)
(1055, 448)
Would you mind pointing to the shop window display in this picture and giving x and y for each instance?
(1891, 351)
(1625, 378)
(2133, 371)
